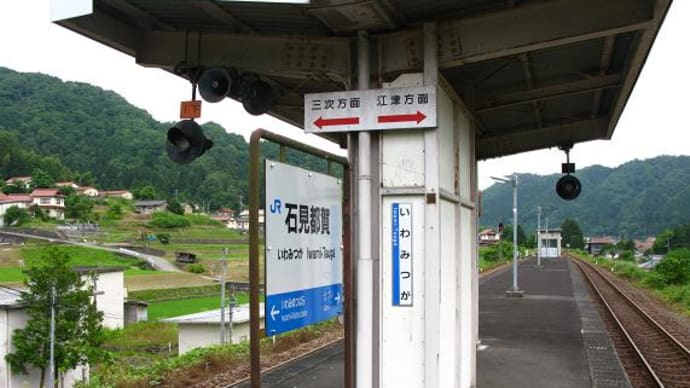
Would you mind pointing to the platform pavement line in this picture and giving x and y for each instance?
(605, 369)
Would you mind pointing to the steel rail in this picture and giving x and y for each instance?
(638, 309)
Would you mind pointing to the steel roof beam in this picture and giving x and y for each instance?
(604, 64)
(518, 30)
(518, 140)
(105, 29)
(639, 56)
(144, 19)
(216, 12)
(527, 70)
(499, 101)
(269, 55)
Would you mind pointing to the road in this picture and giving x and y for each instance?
(156, 262)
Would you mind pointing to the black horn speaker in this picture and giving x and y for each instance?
(186, 142)
(217, 83)
(257, 96)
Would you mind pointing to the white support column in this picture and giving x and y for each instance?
(432, 221)
(432, 342)
(365, 281)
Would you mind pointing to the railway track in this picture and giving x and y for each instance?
(651, 355)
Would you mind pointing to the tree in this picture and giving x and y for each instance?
(145, 192)
(41, 179)
(16, 187)
(507, 234)
(675, 267)
(15, 216)
(174, 206)
(78, 330)
(663, 241)
(79, 207)
(572, 234)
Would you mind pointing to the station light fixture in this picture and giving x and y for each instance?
(568, 187)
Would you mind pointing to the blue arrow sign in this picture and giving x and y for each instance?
(295, 309)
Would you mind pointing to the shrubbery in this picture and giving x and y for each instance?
(168, 220)
(196, 268)
(674, 269)
(15, 216)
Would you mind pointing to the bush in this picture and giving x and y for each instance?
(199, 219)
(15, 216)
(674, 269)
(168, 220)
(492, 253)
(164, 238)
(196, 268)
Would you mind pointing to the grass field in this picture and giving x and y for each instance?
(173, 308)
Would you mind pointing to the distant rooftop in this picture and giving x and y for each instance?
(240, 314)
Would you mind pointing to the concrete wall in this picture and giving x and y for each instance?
(198, 335)
(111, 302)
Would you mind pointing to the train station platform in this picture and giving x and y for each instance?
(552, 336)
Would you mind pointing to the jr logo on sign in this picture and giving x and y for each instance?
(275, 206)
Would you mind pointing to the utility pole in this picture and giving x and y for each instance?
(222, 296)
(51, 375)
(514, 291)
(232, 302)
(538, 237)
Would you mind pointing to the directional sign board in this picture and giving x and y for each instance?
(372, 109)
(303, 247)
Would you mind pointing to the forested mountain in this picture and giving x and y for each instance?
(83, 128)
(638, 198)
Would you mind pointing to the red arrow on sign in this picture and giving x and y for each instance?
(321, 122)
(418, 117)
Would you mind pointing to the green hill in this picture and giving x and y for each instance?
(77, 128)
(638, 198)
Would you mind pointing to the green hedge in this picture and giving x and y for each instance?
(168, 220)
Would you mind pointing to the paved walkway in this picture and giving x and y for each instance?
(551, 337)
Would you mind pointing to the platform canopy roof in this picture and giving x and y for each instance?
(533, 73)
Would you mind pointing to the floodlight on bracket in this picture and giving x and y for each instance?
(568, 187)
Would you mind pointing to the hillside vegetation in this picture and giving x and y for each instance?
(70, 129)
(635, 199)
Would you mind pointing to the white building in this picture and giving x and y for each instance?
(109, 299)
(13, 316)
(242, 221)
(50, 201)
(110, 293)
(550, 242)
(22, 201)
(203, 329)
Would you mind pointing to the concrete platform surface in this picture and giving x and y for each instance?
(542, 339)
(551, 337)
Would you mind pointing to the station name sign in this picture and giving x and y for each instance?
(303, 247)
(371, 109)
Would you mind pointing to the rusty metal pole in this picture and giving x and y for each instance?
(254, 340)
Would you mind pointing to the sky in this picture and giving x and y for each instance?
(654, 121)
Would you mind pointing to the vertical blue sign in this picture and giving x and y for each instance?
(401, 242)
(396, 253)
